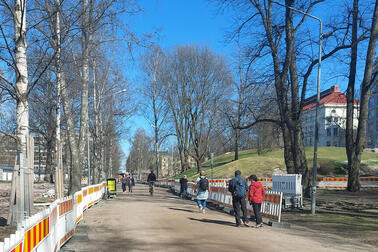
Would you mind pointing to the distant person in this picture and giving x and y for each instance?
(151, 179)
(123, 182)
(238, 187)
(256, 195)
(203, 189)
(131, 183)
(184, 186)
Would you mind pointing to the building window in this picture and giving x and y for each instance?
(335, 131)
(329, 132)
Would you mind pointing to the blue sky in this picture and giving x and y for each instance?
(198, 22)
(179, 22)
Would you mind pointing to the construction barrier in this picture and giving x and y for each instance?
(219, 195)
(291, 187)
(51, 228)
(342, 183)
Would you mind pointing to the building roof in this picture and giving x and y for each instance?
(329, 96)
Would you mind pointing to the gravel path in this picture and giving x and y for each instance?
(139, 222)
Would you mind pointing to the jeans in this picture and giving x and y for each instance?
(184, 191)
(237, 203)
(201, 203)
(256, 209)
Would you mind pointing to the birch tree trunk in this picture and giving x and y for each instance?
(24, 194)
(84, 82)
(59, 192)
(75, 177)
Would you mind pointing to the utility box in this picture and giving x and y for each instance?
(112, 186)
(291, 187)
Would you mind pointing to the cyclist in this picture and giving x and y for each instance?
(151, 179)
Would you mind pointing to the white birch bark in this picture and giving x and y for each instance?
(22, 109)
(84, 79)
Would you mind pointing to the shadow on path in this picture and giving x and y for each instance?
(226, 223)
(180, 209)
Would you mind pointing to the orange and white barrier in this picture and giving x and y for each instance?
(342, 183)
(271, 206)
(219, 194)
(49, 229)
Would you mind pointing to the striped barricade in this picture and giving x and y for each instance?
(15, 242)
(271, 206)
(191, 189)
(371, 182)
(49, 229)
(333, 183)
(266, 182)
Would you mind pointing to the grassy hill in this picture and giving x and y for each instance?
(331, 160)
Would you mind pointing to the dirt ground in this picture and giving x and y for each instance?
(5, 188)
(349, 215)
(139, 222)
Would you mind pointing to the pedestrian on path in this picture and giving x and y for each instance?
(184, 186)
(131, 183)
(151, 179)
(203, 189)
(238, 187)
(256, 195)
(124, 182)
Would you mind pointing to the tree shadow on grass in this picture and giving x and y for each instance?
(220, 222)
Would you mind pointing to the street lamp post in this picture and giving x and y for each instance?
(316, 139)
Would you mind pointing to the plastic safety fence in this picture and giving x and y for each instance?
(270, 208)
(51, 228)
(341, 183)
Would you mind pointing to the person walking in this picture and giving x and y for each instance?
(184, 186)
(238, 187)
(131, 183)
(151, 179)
(203, 189)
(256, 195)
(124, 182)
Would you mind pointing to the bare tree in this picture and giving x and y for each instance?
(292, 62)
(155, 105)
(197, 84)
(355, 142)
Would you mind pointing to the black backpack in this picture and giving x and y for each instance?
(203, 184)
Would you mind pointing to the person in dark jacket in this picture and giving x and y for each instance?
(238, 187)
(255, 198)
(131, 183)
(151, 179)
(184, 186)
(124, 183)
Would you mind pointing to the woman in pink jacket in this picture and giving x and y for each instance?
(256, 195)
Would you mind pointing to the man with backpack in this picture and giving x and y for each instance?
(238, 188)
(203, 189)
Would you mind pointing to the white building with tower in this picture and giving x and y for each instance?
(332, 118)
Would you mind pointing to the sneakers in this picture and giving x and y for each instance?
(259, 225)
(200, 209)
(203, 211)
(246, 224)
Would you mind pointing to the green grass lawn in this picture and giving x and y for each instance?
(332, 161)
